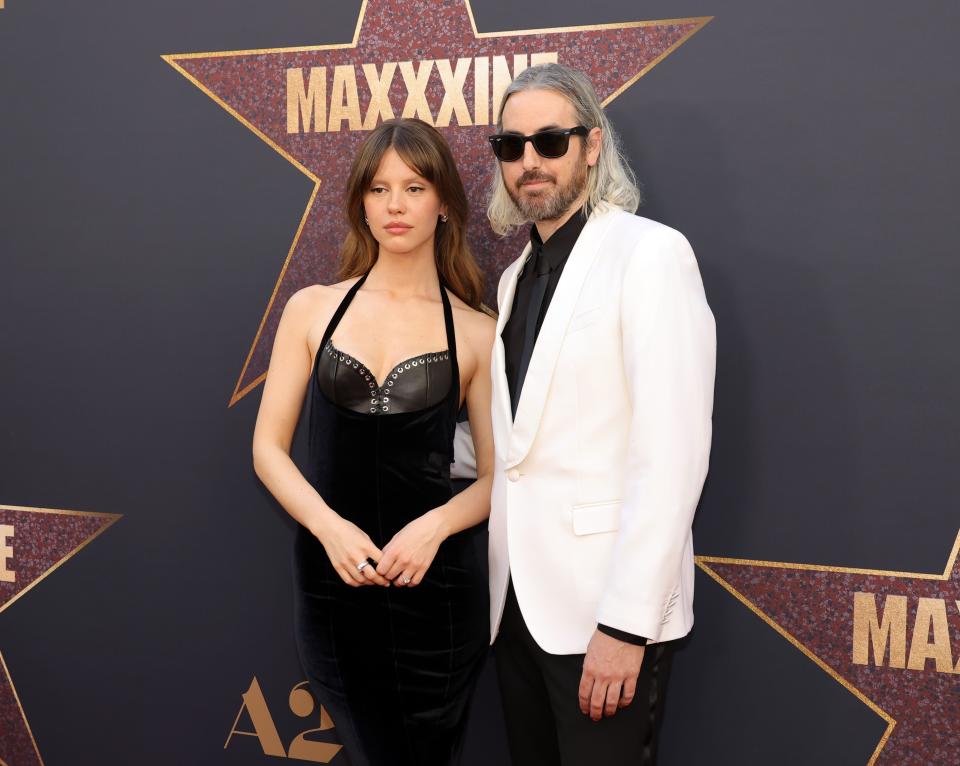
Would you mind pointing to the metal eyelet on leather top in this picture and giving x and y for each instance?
(379, 394)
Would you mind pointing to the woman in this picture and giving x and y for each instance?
(391, 599)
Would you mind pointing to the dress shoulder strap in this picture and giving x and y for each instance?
(454, 394)
(341, 309)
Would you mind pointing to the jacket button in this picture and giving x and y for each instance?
(513, 474)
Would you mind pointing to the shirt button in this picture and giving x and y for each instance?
(513, 474)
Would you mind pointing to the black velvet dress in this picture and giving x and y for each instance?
(394, 666)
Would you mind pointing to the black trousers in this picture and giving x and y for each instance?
(540, 703)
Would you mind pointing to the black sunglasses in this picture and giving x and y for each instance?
(548, 143)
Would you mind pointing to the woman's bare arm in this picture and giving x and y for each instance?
(472, 506)
(283, 396)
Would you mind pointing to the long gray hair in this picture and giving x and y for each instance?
(610, 181)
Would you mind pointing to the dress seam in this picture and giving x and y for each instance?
(446, 690)
(393, 633)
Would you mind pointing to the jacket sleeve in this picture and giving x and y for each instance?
(669, 358)
(622, 635)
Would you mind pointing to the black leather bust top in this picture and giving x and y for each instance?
(413, 384)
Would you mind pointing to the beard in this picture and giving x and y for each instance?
(550, 202)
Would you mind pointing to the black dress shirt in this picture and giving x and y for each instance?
(545, 258)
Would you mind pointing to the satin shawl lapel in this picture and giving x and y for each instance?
(536, 384)
(502, 415)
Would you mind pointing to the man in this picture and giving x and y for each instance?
(603, 377)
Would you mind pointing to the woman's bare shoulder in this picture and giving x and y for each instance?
(313, 298)
(479, 326)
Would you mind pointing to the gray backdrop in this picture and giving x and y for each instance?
(807, 150)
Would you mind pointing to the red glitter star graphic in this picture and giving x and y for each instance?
(888, 637)
(33, 542)
(422, 58)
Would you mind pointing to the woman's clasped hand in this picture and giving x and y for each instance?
(403, 562)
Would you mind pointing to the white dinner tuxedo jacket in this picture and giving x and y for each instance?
(597, 479)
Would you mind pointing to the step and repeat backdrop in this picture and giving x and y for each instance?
(170, 173)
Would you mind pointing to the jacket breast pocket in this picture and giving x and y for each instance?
(591, 518)
(585, 318)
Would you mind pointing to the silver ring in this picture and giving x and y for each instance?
(361, 565)
(406, 580)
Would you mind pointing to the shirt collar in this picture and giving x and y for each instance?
(554, 252)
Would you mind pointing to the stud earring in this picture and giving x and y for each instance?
(443, 217)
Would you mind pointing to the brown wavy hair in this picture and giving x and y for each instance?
(422, 148)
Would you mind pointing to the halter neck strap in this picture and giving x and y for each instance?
(452, 348)
(341, 310)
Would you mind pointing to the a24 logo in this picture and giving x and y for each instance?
(303, 705)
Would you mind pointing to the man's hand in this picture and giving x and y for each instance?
(609, 679)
